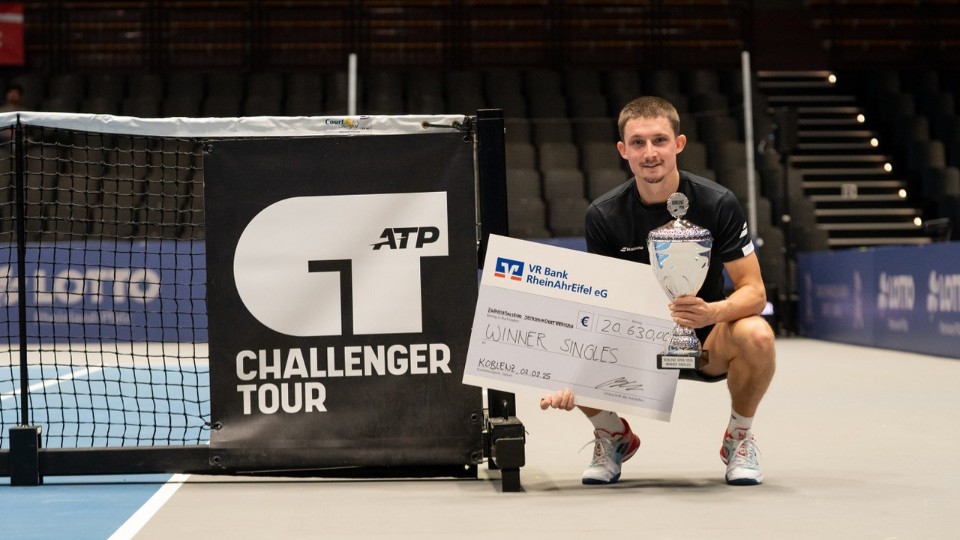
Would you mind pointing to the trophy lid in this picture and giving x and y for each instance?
(679, 229)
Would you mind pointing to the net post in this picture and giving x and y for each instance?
(505, 433)
(492, 192)
(19, 152)
(24, 438)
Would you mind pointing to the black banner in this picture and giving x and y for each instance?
(341, 287)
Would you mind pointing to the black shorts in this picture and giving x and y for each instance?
(696, 374)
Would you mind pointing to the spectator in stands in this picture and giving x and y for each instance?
(12, 102)
(13, 98)
(739, 341)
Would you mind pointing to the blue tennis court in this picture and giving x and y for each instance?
(79, 507)
(144, 402)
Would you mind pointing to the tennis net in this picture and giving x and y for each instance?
(102, 272)
(102, 283)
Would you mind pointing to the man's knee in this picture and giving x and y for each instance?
(758, 334)
(755, 337)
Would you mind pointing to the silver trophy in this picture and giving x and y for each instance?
(680, 256)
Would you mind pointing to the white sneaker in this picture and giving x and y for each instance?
(609, 451)
(743, 460)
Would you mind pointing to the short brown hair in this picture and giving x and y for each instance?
(649, 107)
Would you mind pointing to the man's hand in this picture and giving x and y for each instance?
(563, 399)
(692, 312)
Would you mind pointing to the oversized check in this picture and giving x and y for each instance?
(550, 318)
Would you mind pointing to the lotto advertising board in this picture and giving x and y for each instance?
(341, 285)
(904, 298)
(107, 290)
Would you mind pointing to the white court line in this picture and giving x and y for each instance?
(51, 382)
(136, 522)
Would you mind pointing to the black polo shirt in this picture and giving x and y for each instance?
(618, 223)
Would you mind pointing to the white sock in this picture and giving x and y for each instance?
(739, 425)
(607, 421)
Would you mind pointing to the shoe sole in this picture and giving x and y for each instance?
(745, 481)
(598, 482)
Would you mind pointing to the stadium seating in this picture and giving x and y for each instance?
(560, 132)
(560, 123)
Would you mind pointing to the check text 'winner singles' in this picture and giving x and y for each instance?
(543, 276)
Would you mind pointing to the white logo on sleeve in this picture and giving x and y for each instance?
(302, 264)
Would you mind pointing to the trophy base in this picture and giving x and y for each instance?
(681, 361)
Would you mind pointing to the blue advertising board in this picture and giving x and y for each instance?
(834, 290)
(108, 290)
(905, 298)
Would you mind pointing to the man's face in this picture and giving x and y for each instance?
(650, 147)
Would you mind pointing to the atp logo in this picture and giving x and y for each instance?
(398, 238)
(508, 268)
(340, 265)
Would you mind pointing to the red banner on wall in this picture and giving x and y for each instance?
(11, 34)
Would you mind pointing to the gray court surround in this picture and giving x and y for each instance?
(858, 443)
